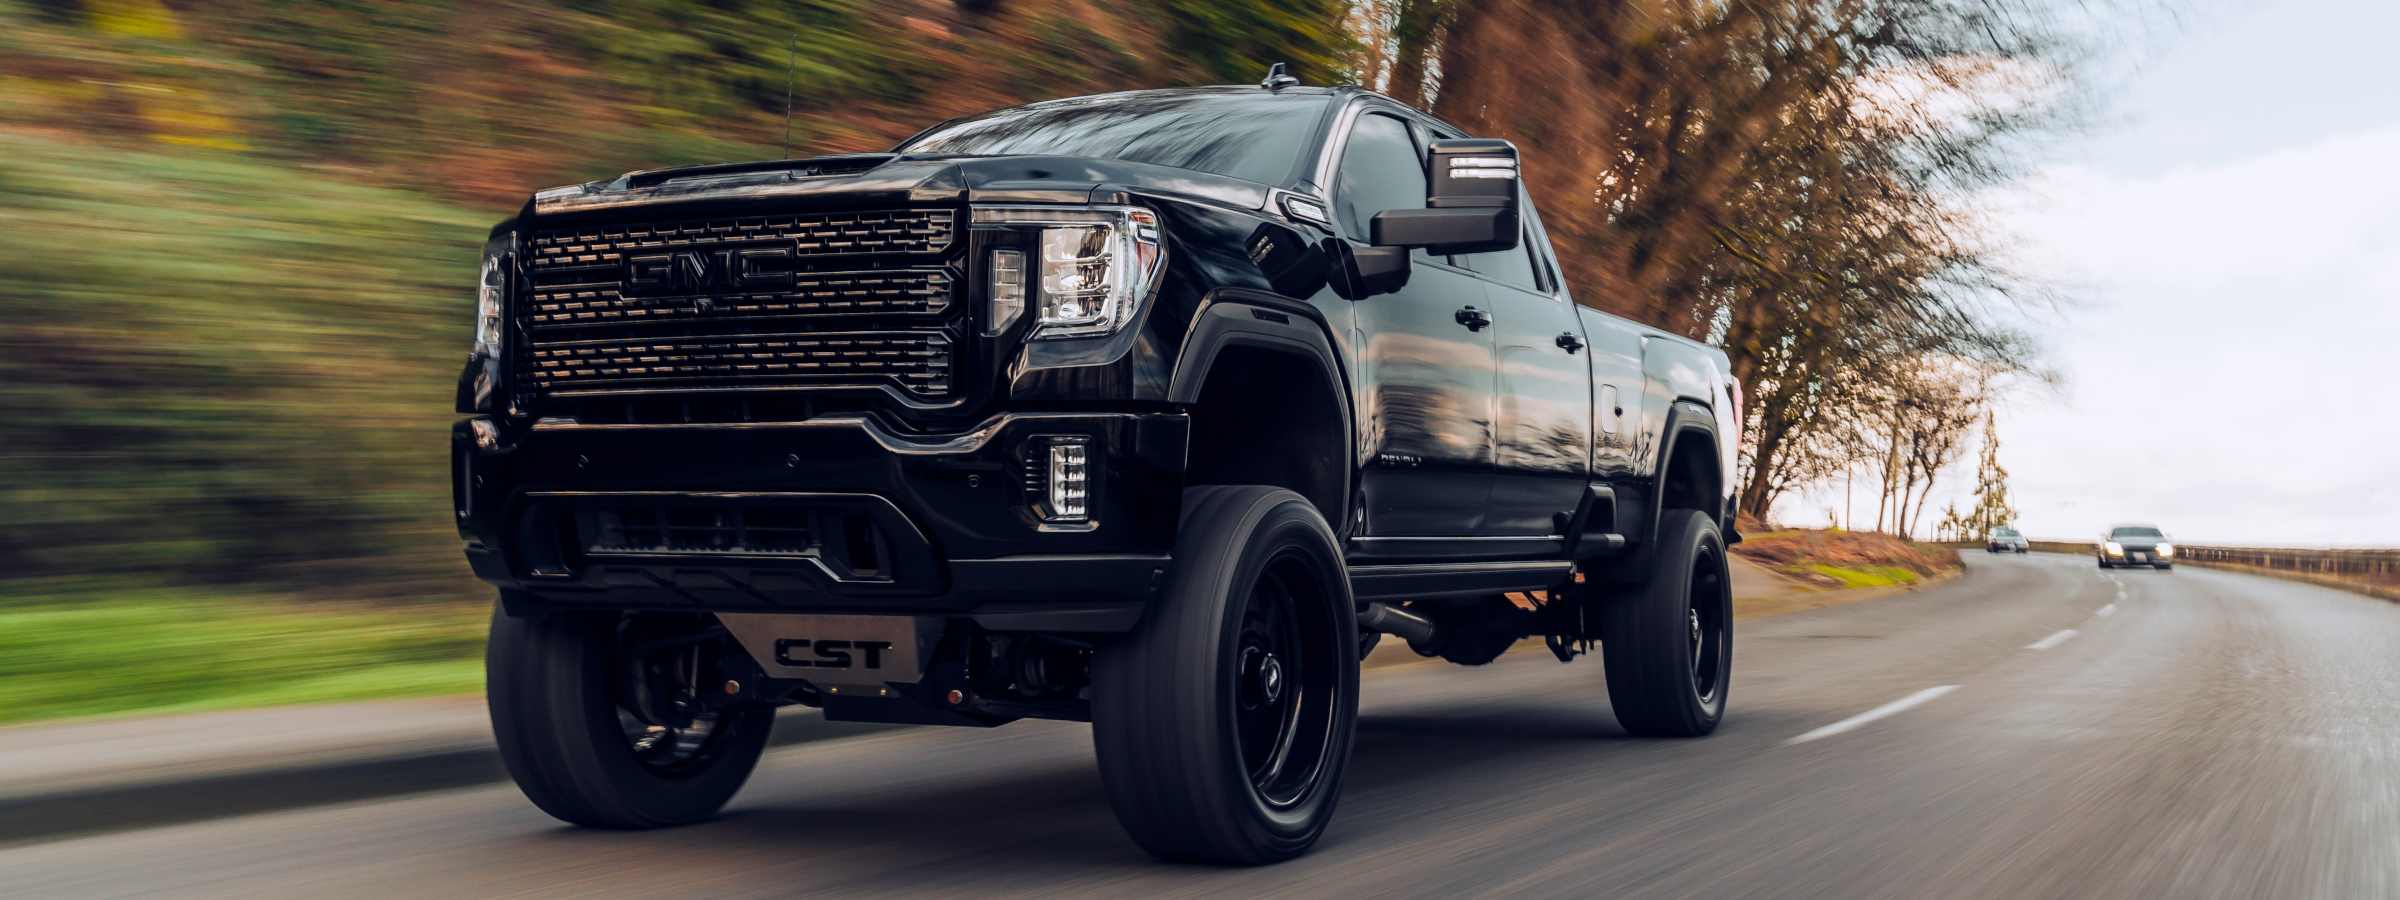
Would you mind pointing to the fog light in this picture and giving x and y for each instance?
(1070, 480)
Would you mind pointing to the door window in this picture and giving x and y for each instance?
(1381, 170)
(1514, 268)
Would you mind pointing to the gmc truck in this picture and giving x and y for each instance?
(1154, 410)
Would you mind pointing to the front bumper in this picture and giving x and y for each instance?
(954, 530)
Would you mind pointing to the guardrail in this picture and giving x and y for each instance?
(2372, 572)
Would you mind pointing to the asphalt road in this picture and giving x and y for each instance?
(2200, 734)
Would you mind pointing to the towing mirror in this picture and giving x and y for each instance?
(1470, 202)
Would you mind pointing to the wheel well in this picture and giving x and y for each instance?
(1692, 480)
(1271, 417)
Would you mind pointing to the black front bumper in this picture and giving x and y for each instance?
(892, 523)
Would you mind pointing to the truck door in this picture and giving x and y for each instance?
(1424, 376)
(1543, 393)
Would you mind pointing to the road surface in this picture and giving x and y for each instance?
(2123, 734)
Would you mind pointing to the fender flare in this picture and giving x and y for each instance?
(1685, 417)
(1244, 317)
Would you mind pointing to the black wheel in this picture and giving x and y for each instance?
(1223, 722)
(1668, 646)
(2166, 567)
(2104, 564)
(596, 717)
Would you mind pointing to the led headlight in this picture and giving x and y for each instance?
(1089, 271)
(2166, 549)
(2114, 548)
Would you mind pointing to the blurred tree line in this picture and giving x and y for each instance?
(240, 232)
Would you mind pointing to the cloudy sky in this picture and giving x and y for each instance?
(2230, 236)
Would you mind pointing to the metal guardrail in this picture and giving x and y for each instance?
(2367, 567)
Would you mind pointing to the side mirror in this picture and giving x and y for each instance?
(1470, 202)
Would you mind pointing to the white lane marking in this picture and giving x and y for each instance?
(1901, 705)
(2053, 640)
(2106, 611)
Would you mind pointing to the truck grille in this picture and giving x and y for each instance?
(858, 298)
(918, 361)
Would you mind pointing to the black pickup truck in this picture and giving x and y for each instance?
(1155, 410)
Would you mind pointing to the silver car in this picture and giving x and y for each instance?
(2004, 539)
(2135, 545)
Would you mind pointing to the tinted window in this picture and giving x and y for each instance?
(1255, 136)
(1380, 170)
(2135, 531)
(2004, 532)
(1509, 267)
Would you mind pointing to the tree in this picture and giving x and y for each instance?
(1991, 509)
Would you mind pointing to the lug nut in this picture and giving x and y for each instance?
(792, 460)
(582, 462)
(957, 697)
(733, 687)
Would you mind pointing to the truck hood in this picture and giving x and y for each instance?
(884, 178)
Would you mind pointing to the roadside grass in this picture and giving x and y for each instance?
(1845, 559)
(216, 369)
(1864, 576)
(166, 650)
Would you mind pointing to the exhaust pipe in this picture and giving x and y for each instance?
(1423, 633)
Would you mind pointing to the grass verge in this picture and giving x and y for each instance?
(184, 650)
(1846, 559)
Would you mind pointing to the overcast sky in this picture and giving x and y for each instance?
(2231, 236)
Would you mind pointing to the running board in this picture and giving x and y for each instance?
(1417, 582)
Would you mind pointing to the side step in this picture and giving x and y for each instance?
(1417, 582)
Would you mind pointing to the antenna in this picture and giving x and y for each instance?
(791, 75)
(1276, 80)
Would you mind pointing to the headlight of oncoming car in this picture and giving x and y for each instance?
(491, 293)
(1082, 271)
(2115, 549)
(2166, 549)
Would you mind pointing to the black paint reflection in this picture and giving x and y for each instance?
(1250, 135)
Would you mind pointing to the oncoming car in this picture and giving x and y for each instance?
(2004, 539)
(2135, 545)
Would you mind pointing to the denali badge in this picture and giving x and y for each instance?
(687, 272)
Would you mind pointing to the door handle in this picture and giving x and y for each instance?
(1474, 319)
(1569, 342)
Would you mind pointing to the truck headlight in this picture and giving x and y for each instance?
(491, 293)
(1090, 270)
(2166, 549)
(2114, 548)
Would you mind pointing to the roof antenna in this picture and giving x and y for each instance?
(1276, 80)
(791, 74)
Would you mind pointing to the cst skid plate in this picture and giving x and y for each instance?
(839, 654)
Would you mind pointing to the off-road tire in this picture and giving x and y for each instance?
(548, 682)
(1667, 676)
(1175, 713)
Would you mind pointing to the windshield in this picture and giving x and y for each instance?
(2004, 532)
(2135, 531)
(1253, 136)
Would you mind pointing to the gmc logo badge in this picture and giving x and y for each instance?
(829, 654)
(686, 273)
